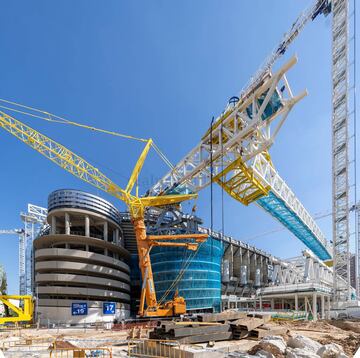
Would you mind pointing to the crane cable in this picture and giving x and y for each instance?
(49, 117)
(180, 274)
(192, 255)
(184, 267)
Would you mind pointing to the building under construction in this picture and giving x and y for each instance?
(86, 262)
(86, 257)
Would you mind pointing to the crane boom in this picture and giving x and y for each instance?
(12, 232)
(80, 168)
(60, 155)
(318, 7)
(233, 147)
(233, 141)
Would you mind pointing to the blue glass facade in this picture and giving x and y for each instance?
(200, 284)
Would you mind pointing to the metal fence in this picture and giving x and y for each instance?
(99, 352)
(154, 348)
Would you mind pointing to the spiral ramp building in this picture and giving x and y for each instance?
(82, 272)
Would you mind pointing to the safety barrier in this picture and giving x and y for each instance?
(154, 348)
(21, 342)
(74, 352)
(129, 325)
(290, 316)
(18, 326)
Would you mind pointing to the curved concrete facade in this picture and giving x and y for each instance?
(81, 262)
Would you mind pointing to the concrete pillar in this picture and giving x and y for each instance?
(314, 308)
(272, 304)
(306, 304)
(231, 261)
(117, 236)
(67, 224)
(322, 307)
(296, 302)
(87, 226)
(328, 307)
(260, 303)
(53, 225)
(253, 261)
(282, 304)
(106, 231)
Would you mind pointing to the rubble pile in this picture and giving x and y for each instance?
(296, 346)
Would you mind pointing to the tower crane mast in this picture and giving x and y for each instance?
(21, 235)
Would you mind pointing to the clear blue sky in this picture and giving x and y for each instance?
(157, 69)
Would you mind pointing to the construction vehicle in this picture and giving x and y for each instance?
(136, 205)
(237, 138)
(234, 151)
(24, 311)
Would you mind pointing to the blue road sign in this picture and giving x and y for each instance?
(109, 307)
(79, 309)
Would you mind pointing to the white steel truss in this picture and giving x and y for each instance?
(304, 269)
(33, 221)
(316, 8)
(37, 212)
(21, 235)
(265, 172)
(238, 142)
(340, 165)
(242, 131)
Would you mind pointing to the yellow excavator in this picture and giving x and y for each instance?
(23, 312)
(80, 168)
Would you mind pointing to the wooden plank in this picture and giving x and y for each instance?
(193, 331)
(203, 338)
(221, 317)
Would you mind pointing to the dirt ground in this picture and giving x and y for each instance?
(345, 333)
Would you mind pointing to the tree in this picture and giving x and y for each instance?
(3, 288)
(3, 285)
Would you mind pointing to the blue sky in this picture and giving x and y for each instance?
(157, 69)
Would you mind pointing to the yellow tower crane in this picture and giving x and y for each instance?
(80, 168)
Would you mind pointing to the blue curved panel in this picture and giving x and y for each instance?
(201, 283)
(278, 209)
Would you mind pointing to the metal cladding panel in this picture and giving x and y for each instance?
(77, 199)
(277, 208)
(200, 283)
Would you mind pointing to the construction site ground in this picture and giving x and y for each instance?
(38, 342)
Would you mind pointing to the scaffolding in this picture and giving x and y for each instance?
(33, 220)
(340, 141)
